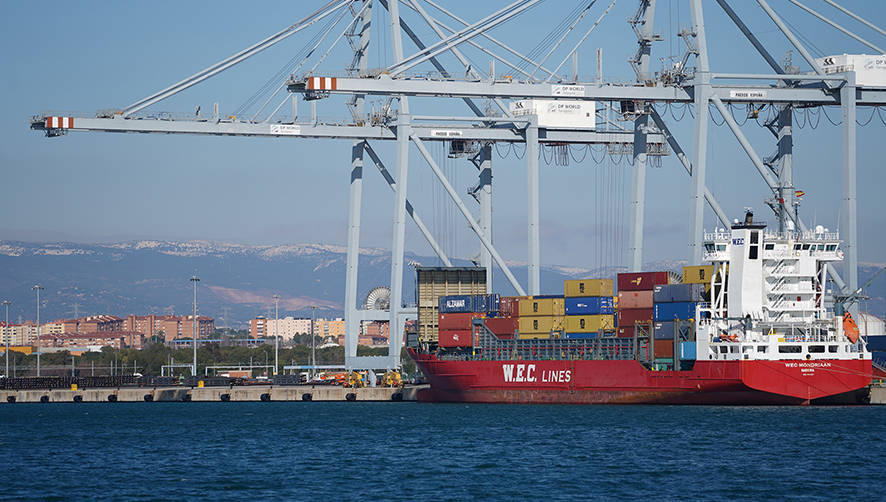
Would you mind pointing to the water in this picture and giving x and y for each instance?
(411, 451)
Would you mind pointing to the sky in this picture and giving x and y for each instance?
(81, 57)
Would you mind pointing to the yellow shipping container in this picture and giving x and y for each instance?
(589, 323)
(698, 274)
(588, 287)
(539, 324)
(534, 336)
(542, 307)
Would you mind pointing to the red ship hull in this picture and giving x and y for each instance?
(787, 382)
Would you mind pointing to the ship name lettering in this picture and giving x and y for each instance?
(519, 373)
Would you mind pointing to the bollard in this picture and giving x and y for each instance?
(350, 396)
(306, 397)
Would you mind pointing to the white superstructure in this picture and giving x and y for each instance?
(768, 297)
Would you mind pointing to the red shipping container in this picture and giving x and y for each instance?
(457, 321)
(664, 349)
(641, 281)
(510, 306)
(455, 338)
(627, 317)
(635, 299)
(625, 332)
(503, 327)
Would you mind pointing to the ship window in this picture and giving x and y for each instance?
(721, 247)
(796, 247)
(762, 348)
(709, 248)
(755, 237)
(821, 247)
(724, 349)
(832, 348)
(832, 247)
(769, 247)
(816, 349)
(790, 349)
(752, 252)
(733, 349)
(805, 247)
(747, 348)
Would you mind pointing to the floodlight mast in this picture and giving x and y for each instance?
(700, 89)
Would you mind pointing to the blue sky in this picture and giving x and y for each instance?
(82, 57)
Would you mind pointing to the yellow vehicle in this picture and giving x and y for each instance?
(391, 379)
(355, 380)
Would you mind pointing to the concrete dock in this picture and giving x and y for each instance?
(305, 393)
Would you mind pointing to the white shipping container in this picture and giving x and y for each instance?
(870, 71)
(558, 113)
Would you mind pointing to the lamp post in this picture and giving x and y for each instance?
(37, 288)
(6, 304)
(276, 334)
(195, 280)
(313, 351)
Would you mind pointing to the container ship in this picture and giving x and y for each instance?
(752, 327)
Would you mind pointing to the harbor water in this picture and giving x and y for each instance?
(412, 451)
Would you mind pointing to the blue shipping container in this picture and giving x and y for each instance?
(667, 293)
(675, 310)
(664, 330)
(687, 350)
(459, 304)
(575, 336)
(589, 305)
(541, 297)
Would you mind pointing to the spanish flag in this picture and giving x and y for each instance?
(799, 193)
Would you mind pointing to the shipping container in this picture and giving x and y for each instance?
(558, 113)
(589, 323)
(641, 281)
(587, 287)
(687, 350)
(434, 282)
(455, 338)
(624, 332)
(627, 317)
(665, 329)
(664, 349)
(635, 299)
(540, 324)
(870, 70)
(592, 305)
(698, 274)
(693, 292)
(580, 335)
(535, 336)
(510, 306)
(675, 310)
(503, 327)
(469, 303)
(458, 321)
(542, 307)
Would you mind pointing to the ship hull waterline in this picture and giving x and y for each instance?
(784, 382)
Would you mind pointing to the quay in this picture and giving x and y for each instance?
(206, 394)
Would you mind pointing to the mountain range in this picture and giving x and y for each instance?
(237, 281)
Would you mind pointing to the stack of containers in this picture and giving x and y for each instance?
(505, 323)
(457, 314)
(635, 303)
(541, 317)
(589, 307)
(674, 303)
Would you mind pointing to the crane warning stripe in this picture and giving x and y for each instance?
(322, 83)
(59, 122)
